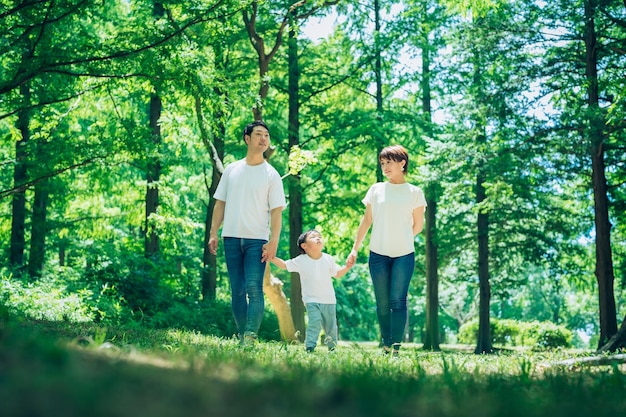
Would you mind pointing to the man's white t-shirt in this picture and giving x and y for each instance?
(392, 217)
(249, 193)
(315, 277)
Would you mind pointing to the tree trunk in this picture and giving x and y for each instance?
(431, 336)
(209, 272)
(208, 276)
(604, 262)
(295, 189)
(38, 230)
(152, 177)
(153, 172)
(18, 219)
(379, 138)
(484, 332)
(617, 341)
(431, 331)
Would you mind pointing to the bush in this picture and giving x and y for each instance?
(213, 318)
(44, 300)
(356, 306)
(538, 335)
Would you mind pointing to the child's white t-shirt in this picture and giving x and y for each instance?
(392, 217)
(250, 192)
(315, 277)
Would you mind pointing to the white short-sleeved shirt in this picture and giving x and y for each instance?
(315, 277)
(392, 217)
(249, 193)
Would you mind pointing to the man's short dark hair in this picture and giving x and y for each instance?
(250, 127)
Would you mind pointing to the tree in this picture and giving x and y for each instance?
(581, 64)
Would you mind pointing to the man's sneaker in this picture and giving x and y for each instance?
(310, 350)
(249, 339)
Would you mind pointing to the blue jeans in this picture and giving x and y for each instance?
(391, 278)
(245, 272)
(321, 316)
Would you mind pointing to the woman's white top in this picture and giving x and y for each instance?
(392, 217)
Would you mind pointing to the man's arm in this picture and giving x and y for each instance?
(216, 222)
(276, 223)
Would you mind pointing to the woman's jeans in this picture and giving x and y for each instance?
(391, 278)
(245, 272)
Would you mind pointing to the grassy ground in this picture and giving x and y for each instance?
(52, 369)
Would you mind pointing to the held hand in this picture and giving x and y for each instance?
(269, 251)
(213, 242)
(351, 260)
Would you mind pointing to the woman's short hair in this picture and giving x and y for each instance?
(395, 153)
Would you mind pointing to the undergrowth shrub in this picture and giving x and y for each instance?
(64, 296)
(44, 300)
(506, 332)
(356, 306)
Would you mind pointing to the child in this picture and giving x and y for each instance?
(316, 269)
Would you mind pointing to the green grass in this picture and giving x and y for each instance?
(60, 369)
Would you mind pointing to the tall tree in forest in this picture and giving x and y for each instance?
(153, 168)
(479, 122)
(214, 144)
(293, 182)
(18, 214)
(425, 15)
(492, 68)
(584, 66)
(379, 139)
(596, 139)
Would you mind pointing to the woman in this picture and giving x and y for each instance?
(395, 208)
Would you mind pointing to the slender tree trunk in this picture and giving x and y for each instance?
(295, 188)
(153, 174)
(38, 230)
(152, 177)
(483, 344)
(431, 339)
(379, 139)
(604, 260)
(431, 333)
(209, 272)
(484, 332)
(18, 219)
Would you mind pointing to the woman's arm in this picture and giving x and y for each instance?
(364, 226)
(418, 220)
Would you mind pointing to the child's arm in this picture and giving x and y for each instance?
(278, 262)
(342, 271)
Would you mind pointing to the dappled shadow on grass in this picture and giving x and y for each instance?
(57, 369)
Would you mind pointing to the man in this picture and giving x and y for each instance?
(249, 201)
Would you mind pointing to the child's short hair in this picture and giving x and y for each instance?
(302, 238)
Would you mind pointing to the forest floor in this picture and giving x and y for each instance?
(61, 369)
